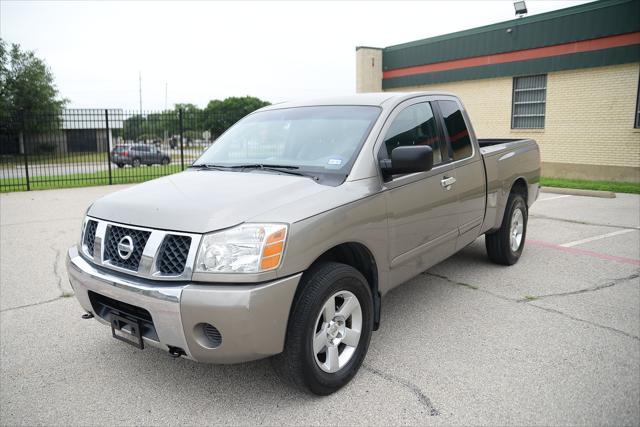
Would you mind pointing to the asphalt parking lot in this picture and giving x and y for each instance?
(551, 340)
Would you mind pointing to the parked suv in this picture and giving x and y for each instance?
(282, 238)
(138, 154)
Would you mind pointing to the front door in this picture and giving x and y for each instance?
(423, 228)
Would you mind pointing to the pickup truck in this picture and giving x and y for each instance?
(283, 237)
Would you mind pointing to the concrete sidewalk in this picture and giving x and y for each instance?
(551, 340)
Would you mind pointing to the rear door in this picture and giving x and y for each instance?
(470, 177)
(422, 229)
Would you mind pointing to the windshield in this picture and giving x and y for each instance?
(323, 140)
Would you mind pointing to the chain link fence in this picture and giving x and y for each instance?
(85, 147)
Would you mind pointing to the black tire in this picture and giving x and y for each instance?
(135, 162)
(165, 161)
(120, 165)
(498, 243)
(297, 364)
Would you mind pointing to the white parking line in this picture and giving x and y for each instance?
(554, 198)
(591, 239)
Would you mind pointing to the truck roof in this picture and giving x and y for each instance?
(373, 98)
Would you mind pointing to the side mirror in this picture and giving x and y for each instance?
(408, 159)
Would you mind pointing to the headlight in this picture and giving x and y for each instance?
(247, 248)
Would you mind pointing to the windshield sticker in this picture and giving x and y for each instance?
(334, 162)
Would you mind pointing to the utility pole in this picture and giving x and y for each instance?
(140, 87)
(166, 86)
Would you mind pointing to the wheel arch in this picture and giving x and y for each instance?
(520, 187)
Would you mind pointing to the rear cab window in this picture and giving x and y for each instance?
(456, 130)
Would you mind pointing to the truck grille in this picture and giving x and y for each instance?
(112, 238)
(90, 236)
(173, 254)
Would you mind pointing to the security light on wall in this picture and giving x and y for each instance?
(520, 7)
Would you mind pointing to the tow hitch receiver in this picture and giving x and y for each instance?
(126, 327)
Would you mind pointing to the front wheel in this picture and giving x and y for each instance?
(505, 245)
(329, 329)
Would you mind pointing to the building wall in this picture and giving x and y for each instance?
(103, 140)
(589, 125)
(368, 69)
(54, 143)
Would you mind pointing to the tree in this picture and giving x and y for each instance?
(217, 117)
(29, 99)
(26, 84)
(220, 115)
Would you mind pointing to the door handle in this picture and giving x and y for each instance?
(447, 182)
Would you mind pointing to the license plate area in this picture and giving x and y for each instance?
(126, 330)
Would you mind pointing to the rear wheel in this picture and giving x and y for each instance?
(329, 329)
(165, 161)
(505, 245)
(120, 165)
(135, 163)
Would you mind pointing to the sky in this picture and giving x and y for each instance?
(200, 51)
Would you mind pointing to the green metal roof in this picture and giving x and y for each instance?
(598, 58)
(583, 22)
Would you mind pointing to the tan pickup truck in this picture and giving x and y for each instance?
(282, 238)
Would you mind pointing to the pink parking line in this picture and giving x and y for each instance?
(577, 251)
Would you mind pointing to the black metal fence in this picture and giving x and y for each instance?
(97, 147)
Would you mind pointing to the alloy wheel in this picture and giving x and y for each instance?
(337, 331)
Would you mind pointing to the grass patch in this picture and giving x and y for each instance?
(530, 297)
(125, 175)
(81, 157)
(56, 158)
(616, 187)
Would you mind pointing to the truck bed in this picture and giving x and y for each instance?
(490, 145)
(505, 161)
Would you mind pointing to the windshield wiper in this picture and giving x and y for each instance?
(275, 168)
(262, 166)
(265, 167)
(208, 166)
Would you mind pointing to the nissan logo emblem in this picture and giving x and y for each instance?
(125, 247)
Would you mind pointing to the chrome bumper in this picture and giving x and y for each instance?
(252, 319)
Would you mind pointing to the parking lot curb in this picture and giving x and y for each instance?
(578, 192)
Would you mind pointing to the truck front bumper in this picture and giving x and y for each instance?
(251, 319)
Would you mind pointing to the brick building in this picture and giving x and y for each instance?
(567, 78)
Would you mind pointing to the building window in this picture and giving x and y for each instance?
(529, 99)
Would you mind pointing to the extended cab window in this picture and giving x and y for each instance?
(457, 130)
(415, 125)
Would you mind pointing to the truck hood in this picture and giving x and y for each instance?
(203, 201)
